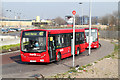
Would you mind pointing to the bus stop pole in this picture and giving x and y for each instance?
(89, 27)
(73, 40)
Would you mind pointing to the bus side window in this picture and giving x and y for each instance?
(83, 37)
(67, 40)
(80, 38)
(58, 41)
(77, 38)
(48, 42)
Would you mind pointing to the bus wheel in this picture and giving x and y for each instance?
(78, 51)
(58, 57)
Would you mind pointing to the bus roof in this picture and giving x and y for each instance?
(91, 28)
(58, 31)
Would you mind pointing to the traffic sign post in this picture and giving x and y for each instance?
(73, 12)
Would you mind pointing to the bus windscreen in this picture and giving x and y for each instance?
(33, 41)
(93, 34)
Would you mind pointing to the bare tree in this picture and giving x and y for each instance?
(59, 21)
(111, 19)
(116, 16)
(105, 20)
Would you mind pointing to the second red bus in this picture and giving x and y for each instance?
(94, 37)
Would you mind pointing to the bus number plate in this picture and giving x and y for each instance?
(32, 60)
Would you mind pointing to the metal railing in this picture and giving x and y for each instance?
(108, 34)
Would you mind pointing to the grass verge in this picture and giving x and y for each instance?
(8, 48)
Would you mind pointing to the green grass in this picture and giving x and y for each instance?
(100, 59)
(108, 56)
(89, 65)
(80, 68)
(112, 55)
(95, 62)
(84, 66)
(72, 70)
(7, 47)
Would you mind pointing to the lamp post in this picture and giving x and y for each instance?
(8, 19)
(15, 16)
(82, 12)
(19, 14)
(8, 15)
(90, 6)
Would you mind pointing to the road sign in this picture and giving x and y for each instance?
(74, 12)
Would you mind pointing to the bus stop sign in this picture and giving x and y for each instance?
(74, 12)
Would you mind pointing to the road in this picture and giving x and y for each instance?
(12, 67)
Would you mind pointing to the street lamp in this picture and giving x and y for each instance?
(15, 15)
(90, 6)
(8, 12)
(8, 18)
(82, 12)
(18, 14)
(8, 15)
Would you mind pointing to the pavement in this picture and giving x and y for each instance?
(12, 67)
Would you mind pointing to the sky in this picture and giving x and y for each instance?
(59, 0)
(51, 10)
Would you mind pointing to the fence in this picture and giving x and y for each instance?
(108, 34)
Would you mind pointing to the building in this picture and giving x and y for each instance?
(41, 22)
(86, 20)
(15, 22)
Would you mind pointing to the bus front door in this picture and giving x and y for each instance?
(52, 50)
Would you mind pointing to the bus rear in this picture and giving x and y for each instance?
(94, 37)
(33, 46)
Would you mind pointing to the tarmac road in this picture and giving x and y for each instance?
(12, 67)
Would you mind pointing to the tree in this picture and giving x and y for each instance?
(111, 19)
(59, 21)
(105, 20)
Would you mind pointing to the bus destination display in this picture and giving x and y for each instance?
(34, 33)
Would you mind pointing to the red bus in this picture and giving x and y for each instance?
(47, 45)
(94, 37)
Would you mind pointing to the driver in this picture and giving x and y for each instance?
(36, 44)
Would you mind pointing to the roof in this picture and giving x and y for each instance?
(91, 28)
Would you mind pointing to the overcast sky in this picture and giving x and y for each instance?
(50, 10)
